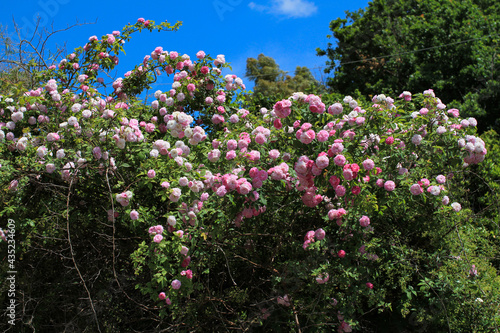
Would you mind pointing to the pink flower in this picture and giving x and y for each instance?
(389, 140)
(323, 136)
(334, 181)
(368, 164)
(176, 284)
(369, 285)
(230, 155)
(282, 108)
(200, 55)
(309, 236)
(456, 206)
(134, 215)
(184, 250)
(345, 327)
(454, 112)
(306, 137)
(348, 174)
(260, 138)
(187, 273)
(424, 182)
(416, 189)
(356, 190)
(157, 238)
(434, 190)
(274, 154)
(473, 271)
(389, 185)
(416, 139)
(285, 300)
(213, 155)
(151, 173)
(323, 278)
(162, 296)
(441, 179)
(186, 261)
(50, 167)
(221, 191)
(183, 181)
(320, 234)
(340, 191)
(204, 196)
(341, 254)
(364, 221)
(335, 109)
(322, 161)
(339, 160)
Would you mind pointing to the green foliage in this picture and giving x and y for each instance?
(86, 264)
(273, 83)
(395, 45)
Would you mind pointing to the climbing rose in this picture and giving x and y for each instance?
(176, 284)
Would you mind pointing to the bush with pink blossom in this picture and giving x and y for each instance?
(148, 177)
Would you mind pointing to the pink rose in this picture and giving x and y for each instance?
(416, 189)
(176, 284)
(389, 185)
(364, 221)
(134, 215)
(320, 234)
(157, 238)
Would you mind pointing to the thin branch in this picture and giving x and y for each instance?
(73, 256)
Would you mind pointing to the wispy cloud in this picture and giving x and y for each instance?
(289, 8)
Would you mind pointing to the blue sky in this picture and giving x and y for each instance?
(287, 30)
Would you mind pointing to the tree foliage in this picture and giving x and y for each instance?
(450, 46)
(270, 80)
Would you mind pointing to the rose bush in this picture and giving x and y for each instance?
(317, 214)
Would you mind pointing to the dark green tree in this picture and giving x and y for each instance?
(270, 80)
(450, 46)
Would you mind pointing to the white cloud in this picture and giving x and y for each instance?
(257, 7)
(289, 8)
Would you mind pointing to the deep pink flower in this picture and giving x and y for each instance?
(356, 190)
(334, 181)
(186, 261)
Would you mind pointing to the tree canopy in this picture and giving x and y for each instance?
(449, 46)
(271, 80)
